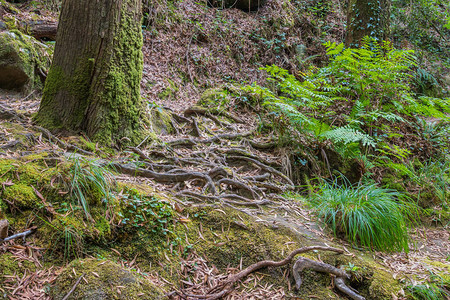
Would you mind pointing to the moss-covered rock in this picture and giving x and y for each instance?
(103, 280)
(22, 60)
(161, 121)
(228, 238)
(20, 195)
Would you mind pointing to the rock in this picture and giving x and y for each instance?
(161, 121)
(22, 60)
(4, 224)
(245, 5)
(2, 25)
(102, 280)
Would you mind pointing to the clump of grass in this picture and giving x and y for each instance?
(366, 214)
(429, 291)
(90, 181)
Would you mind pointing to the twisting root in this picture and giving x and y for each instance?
(226, 287)
(305, 263)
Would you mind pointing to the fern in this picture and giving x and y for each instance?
(347, 135)
(358, 102)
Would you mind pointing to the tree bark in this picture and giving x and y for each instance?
(93, 85)
(367, 18)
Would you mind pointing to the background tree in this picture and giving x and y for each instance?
(367, 17)
(94, 82)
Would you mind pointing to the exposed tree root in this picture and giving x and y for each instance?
(62, 144)
(305, 263)
(183, 175)
(207, 112)
(7, 113)
(216, 138)
(263, 166)
(227, 286)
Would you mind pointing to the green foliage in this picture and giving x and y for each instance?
(438, 288)
(347, 135)
(146, 213)
(428, 182)
(365, 214)
(89, 183)
(425, 23)
(357, 105)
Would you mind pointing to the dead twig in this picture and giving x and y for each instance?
(73, 288)
(18, 235)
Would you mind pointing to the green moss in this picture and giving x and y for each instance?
(104, 280)
(103, 227)
(214, 97)
(25, 54)
(3, 207)
(170, 92)
(88, 145)
(161, 121)
(10, 265)
(21, 196)
(10, 22)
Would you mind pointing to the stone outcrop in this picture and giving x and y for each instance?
(23, 61)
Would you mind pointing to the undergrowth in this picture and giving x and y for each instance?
(365, 214)
(90, 182)
(362, 107)
(436, 288)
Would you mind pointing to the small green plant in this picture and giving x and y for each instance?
(89, 182)
(364, 214)
(148, 213)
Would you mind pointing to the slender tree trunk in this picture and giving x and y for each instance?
(94, 82)
(367, 18)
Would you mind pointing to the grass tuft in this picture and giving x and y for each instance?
(366, 214)
(90, 181)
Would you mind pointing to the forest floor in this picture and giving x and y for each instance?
(202, 143)
(204, 158)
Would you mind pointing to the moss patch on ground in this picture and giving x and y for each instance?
(104, 279)
(10, 265)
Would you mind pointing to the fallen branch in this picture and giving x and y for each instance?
(18, 235)
(42, 30)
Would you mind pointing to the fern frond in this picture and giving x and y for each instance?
(347, 135)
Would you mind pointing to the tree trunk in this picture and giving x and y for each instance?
(367, 18)
(94, 82)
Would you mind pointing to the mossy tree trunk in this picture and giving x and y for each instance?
(367, 18)
(93, 85)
